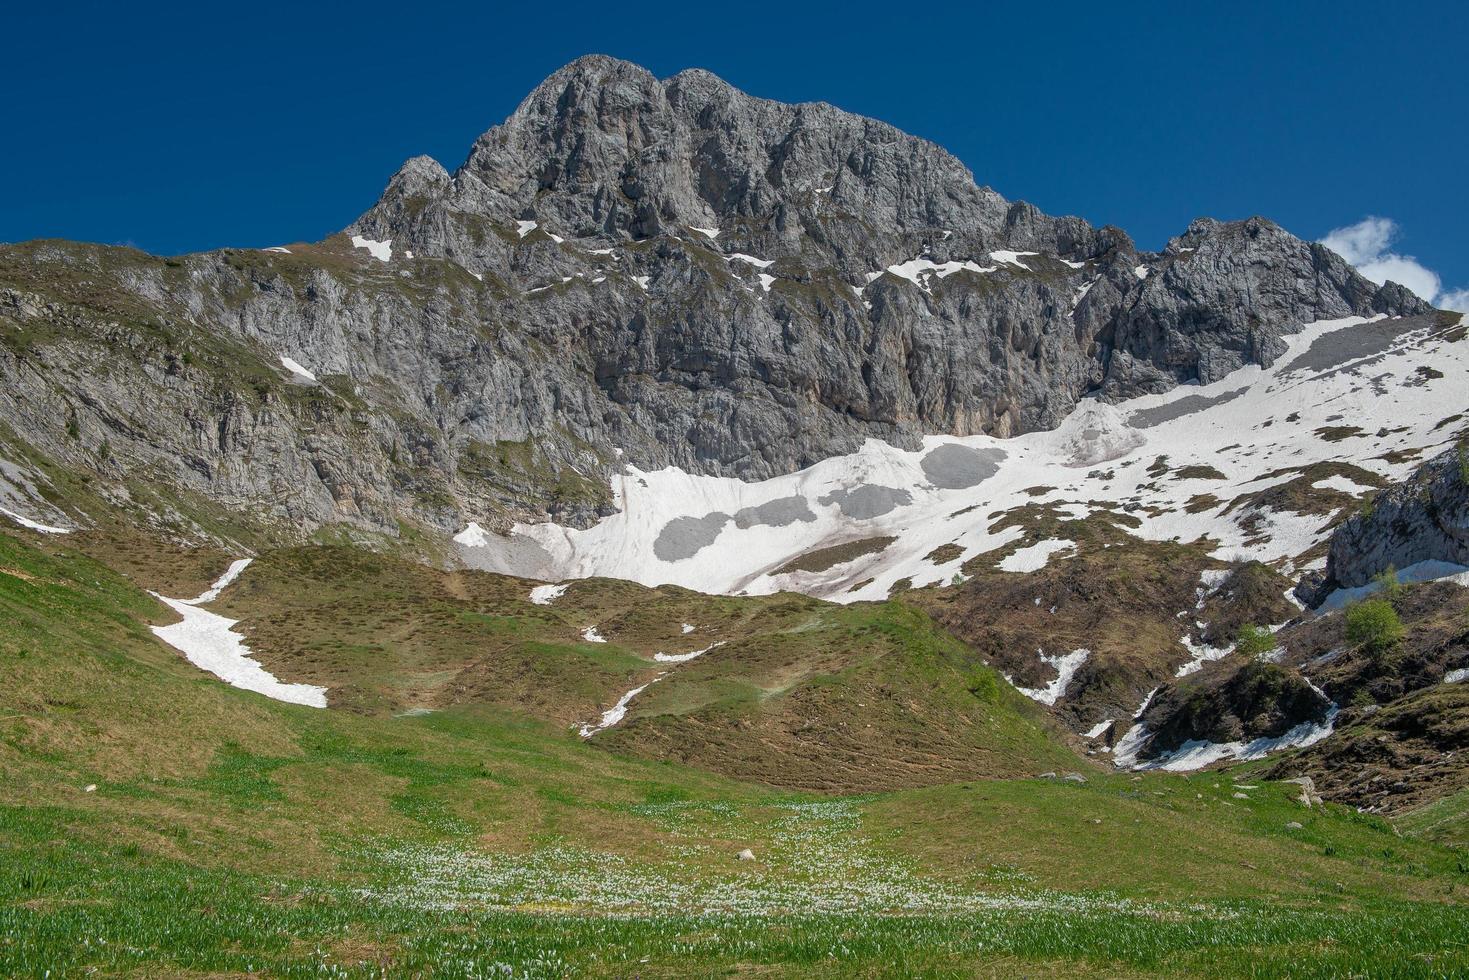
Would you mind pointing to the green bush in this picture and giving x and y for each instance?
(1388, 585)
(1254, 640)
(1374, 624)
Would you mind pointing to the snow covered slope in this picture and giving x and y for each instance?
(1190, 462)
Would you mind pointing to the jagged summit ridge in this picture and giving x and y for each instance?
(635, 271)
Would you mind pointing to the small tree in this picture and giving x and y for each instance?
(1254, 640)
(1388, 585)
(1374, 625)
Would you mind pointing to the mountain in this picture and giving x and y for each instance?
(702, 534)
(627, 270)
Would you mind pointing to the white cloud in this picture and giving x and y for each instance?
(1365, 245)
(1454, 299)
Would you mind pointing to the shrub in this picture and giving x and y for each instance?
(1464, 461)
(1254, 640)
(1388, 585)
(1374, 625)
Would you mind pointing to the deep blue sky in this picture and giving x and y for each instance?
(179, 127)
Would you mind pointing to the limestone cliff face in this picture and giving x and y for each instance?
(627, 270)
(1423, 519)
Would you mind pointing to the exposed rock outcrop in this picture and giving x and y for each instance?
(627, 270)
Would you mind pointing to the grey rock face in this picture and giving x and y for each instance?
(1425, 518)
(554, 302)
(1231, 702)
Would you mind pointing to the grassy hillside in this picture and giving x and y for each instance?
(791, 691)
(224, 833)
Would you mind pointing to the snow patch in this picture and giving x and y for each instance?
(523, 228)
(591, 635)
(209, 642)
(918, 270)
(1197, 754)
(1035, 557)
(1066, 666)
(1422, 571)
(618, 711)
(757, 263)
(295, 368)
(683, 658)
(1344, 484)
(33, 525)
(544, 595)
(1011, 258)
(382, 251)
(473, 536)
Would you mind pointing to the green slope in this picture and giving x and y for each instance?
(228, 833)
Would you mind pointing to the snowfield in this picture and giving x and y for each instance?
(723, 535)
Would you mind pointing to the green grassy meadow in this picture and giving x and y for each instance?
(156, 822)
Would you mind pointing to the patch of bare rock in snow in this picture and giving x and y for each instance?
(209, 642)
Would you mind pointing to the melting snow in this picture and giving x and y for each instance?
(1096, 460)
(1344, 484)
(295, 368)
(1098, 728)
(382, 251)
(1141, 271)
(523, 228)
(917, 270)
(687, 628)
(1035, 557)
(279, 248)
(1202, 654)
(1066, 666)
(1456, 676)
(591, 635)
(544, 595)
(757, 263)
(618, 711)
(1012, 258)
(473, 536)
(1197, 754)
(1422, 571)
(708, 232)
(33, 525)
(209, 642)
(682, 658)
(765, 281)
